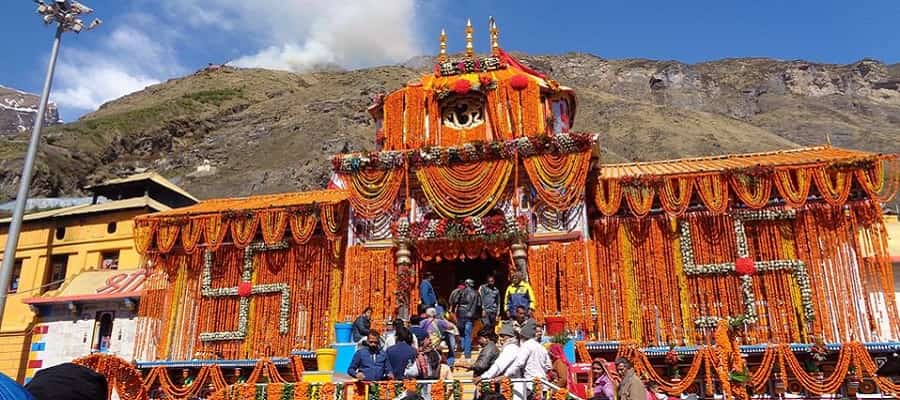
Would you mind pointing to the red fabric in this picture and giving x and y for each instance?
(556, 351)
(744, 266)
(515, 63)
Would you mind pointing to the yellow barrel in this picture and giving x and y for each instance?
(325, 359)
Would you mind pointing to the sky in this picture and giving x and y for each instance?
(143, 42)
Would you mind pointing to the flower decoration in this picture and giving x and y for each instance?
(491, 228)
(744, 266)
(528, 146)
(519, 82)
(468, 65)
(462, 86)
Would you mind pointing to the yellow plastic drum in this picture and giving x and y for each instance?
(325, 359)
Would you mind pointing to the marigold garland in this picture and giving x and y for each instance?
(371, 192)
(608, 196)
(559, 179)
(464, 190)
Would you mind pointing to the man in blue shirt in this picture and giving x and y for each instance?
(370, 363)
(426, 291)
(401, 353)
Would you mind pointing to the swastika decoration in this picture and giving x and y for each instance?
(745, 267)
(245, 290)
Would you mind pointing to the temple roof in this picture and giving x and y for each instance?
(281, 200)
(704, 165)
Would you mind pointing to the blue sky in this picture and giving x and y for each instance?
(146, 41)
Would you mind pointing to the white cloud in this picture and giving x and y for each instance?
(297, 35)
(125, 60)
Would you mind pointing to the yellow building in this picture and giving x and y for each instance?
(55, 246)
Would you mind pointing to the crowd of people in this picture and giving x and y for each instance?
(510, 340)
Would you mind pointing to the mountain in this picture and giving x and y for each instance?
(18, 109)
(226, 131)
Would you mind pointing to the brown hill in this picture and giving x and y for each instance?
(232, 132)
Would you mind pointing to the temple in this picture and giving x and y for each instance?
(479, 170)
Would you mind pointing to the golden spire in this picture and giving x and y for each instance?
(495, 37)
(443, 55)
(469, 49)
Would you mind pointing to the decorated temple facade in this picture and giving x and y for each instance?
(479, 171)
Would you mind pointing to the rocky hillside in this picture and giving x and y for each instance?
(226, 132)
(18, 109)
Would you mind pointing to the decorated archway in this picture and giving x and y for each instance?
(120, 375)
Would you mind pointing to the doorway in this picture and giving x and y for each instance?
(449, 273)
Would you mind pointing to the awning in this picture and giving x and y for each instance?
(95, 286)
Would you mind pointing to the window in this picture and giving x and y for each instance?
(103, 326)
(57, 273)
(14, 282)
(109, 260)
(560, 108)
(111, 227)
(60, 233)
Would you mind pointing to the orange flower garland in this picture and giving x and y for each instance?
(559, 179)
(462, 190)
(753, 191)
(393, 121)
(243, 229)
(675, 201)
(640, 199)
(608, 196)
(273, 224)
(793, 184)
(834, 186)
(713, 190)
(191, 233)
(373, 192)
(167, 235)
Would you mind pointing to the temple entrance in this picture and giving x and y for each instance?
(449, 273)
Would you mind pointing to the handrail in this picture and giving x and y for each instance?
(547, 385)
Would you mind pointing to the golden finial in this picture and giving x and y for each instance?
(469, 49)
(443, 54)
(495, 37)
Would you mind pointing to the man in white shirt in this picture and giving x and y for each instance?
(533, 360)
(507, 354)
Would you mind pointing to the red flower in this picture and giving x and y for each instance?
(485, 80)
(462, 86)
(244, 289)
(744, 266)
(519, 82)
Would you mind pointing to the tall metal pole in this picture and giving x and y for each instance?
(12, 236)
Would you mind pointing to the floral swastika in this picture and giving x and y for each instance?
(245, 290)
(745, 267)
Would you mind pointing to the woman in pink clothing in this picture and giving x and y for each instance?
(604, 388)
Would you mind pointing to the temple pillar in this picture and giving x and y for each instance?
(403, 259)
(519, 252)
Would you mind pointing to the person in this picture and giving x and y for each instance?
(415, 327)
(445, 372)
(524, 321)
(440, 330)
(507, 353)
(466, 307)
(370, 363)
(428, 360)
(559, 374)
(396, 325)
(455, 294)
(519, 294)
(11, 390)
(489, 351)
(631, 387)
(402, 353)
(654, 392)
(67, 382)
(489, 298)
(362, 325)
(604, 388)
(532, 360)
(426, 292)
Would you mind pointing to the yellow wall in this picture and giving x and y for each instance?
(85, 239)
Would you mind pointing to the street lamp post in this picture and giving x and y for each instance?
(65, 14)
